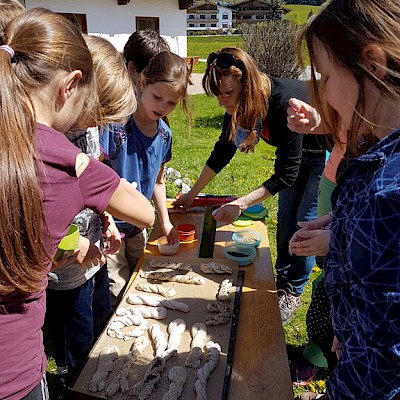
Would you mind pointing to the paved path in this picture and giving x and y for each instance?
(197, 87)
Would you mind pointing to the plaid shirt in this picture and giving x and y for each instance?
(363, 275)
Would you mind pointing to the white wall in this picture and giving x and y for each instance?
(116, 23)
(221, 11)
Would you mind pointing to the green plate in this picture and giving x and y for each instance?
(241, 222)
(258, 215)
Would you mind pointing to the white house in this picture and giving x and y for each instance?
(209, 15)
(117, 19)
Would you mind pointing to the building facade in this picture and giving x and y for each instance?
(116, 20)
(209, 15)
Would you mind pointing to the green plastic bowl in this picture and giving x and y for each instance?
(69, 242)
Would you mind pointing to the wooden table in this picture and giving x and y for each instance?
(260, 365)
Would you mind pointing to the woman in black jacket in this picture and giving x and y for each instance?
(256, 108)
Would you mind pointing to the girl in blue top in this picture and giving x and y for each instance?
(354, 45)
(138, 150)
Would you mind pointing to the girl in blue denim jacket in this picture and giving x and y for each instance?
(354, 45)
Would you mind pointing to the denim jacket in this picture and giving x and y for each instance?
(363, 275)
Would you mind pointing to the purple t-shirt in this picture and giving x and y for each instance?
(22, 357)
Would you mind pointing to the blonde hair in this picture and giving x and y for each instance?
(43, 43)
(9, 9)
(170, 68)
(115, 89)
(253, 101)
(345, 28)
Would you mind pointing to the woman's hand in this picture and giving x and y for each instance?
(302, 117)
(184, 201)
(171, 234)
(227, 213)
(111, 233)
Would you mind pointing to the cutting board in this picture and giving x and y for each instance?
(197, 297)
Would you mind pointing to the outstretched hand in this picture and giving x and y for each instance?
(183, 202)
(227, 213)
(302, 117)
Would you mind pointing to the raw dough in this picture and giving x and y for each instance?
(171, 276)
(155, 301)
(199, 332)
(175, 330)
(178, 376)
(145, 312)
(213, 351)
(160, 289)
(114, 329)
(169, 264)
(225, 287)
(120, 380)
(105, 364)
(215, 268)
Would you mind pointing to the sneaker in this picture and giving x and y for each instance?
(288, 304)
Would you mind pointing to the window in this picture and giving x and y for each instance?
(79, 20)
(191, 25)
(213, 25)
(202, 25)
(225, 25)
(191, 16)
(202, 16)
(225, 16)
(152, 23)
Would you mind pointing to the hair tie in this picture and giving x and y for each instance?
(9, 50)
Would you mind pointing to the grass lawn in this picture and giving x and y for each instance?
(300, 12)
(191, 148)
(202, 46)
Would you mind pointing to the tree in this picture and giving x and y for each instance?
(276, 10)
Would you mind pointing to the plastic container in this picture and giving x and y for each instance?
(241, 253)
(247, 237)
(186, 232)
(165, 248)
(69, 242)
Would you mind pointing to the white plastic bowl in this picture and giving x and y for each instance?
(165, 248)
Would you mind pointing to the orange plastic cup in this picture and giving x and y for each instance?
(186, 232)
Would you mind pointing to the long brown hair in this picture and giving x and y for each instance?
(253, 102)
(345, 28)
(170, 68)
(44, 43)
(9, 9)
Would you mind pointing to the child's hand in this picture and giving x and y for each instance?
(336, 348)
(171, 234)
(310, 242)
(302, 117)
(86, 255)
(111, 233)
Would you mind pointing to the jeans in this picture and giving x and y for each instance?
(297, 203)
(75, 317)
(40, 392)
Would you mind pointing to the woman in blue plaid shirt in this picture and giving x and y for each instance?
(355, 46)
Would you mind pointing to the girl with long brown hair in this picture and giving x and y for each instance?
(45, 181)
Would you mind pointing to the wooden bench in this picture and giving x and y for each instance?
(191, 62)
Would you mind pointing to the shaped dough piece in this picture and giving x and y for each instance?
(159, 339)
(145, 312)
(120, 380)
(178, 376)
(213, 351)
(217, 319)
(114, 329)
(218, 307)
(198, 332)
(175, 330)
(154, 301)
(158, 289)
(105, 364)
(171, 276)
(168, 264)
(215, 268)
(224, 289)
(145, 386)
